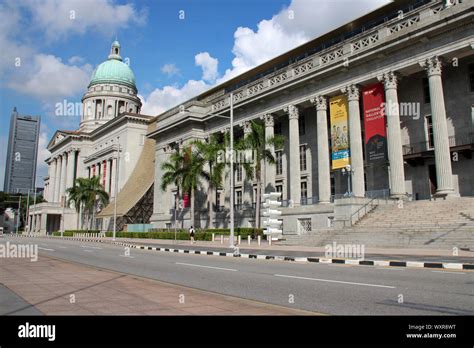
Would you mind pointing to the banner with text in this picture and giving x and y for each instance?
(374, 123)
(338, 109)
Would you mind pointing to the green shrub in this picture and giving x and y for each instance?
(66, 234)
(81, 231)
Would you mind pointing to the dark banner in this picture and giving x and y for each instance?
(374, 122)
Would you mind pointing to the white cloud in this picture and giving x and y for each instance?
(301, 21)
(294, 25)
(161, 99)
(43, 153)
(48, 78)
(58, 18)
(170, 69)
(208, 65)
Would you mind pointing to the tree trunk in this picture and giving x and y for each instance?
(257, 203)
(192, 208)
(210, 197)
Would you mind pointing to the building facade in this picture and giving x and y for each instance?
(108, 144)
(20, 168)
(419, 54)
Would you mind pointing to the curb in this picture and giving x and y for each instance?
(382, 263)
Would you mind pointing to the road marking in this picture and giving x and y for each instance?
(89, 246)
(335, 281)
(220, 268)
(46, 249)
(62, 247)
(130, 257)
(448, 272)
(87, 250)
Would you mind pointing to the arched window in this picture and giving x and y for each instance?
(109, 111)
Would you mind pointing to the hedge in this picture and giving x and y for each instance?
(184, 235)
(66, 234)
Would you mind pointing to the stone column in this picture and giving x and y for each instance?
(324, 171)
(247, 184)
(294, 145)
(270, 169)
(57, 180)
(71, 158)
(52, 180)
(62, 184)
(355, 135)
(394, 137)
(440, 128)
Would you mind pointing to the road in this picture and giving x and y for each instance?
(323, 288)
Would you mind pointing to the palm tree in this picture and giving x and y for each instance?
(210, 151)
(85, 194)
(185, 169)
(173, 172)
(258, 143)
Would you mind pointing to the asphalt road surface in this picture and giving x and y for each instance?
(324, 288)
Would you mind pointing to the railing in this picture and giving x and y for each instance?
(381, 194)
(366, 208)
(423, 146)
(329, 52)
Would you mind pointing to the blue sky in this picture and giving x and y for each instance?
(49, 48)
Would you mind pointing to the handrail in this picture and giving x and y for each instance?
(358, 210)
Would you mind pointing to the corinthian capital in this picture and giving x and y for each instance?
(292, 111)
(433, 66)
(269, 120)
(352, 92)
(320, 102)
(389, 79)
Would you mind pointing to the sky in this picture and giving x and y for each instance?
(176, 48)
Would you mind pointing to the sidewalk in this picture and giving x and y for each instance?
(46, 286)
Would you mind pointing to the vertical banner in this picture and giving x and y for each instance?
(374, 123)
(338, 109)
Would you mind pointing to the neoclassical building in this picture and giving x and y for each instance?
(111, 124)
(391, 94)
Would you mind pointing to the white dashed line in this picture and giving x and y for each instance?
(219, 268)
(335, 281)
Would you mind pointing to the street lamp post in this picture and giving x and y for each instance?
(231, 105)
(348, 171)
(116, 188)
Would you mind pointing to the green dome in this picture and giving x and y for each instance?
(114, 70)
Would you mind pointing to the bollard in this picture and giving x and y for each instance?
(248, 239)
(239, 239)
(269, 240)
(213, 236)
(222, 239)
(259, 240)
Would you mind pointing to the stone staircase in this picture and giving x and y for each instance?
(439, 224)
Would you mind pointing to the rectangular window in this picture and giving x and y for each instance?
(279, 162)
(304, 191)
(429, 131)
(471, 76)
(218, 199)
(279, 188)
(303, 157)
(238, 198)
(238, 170)
(426, 90)
(301, 125)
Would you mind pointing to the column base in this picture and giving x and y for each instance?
(446, 194)
(399, 196)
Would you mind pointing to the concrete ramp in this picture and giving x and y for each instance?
(137, 185)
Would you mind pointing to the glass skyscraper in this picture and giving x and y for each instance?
(20, 169)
